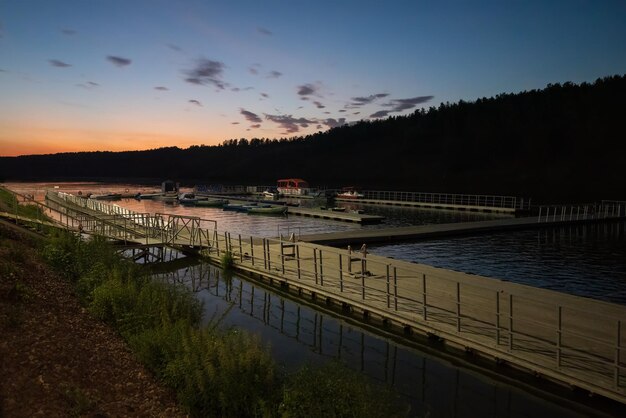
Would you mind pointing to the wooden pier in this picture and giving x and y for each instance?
(557, 217)
(336, 216)
(576, 341)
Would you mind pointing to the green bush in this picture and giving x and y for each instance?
(227, 260)
(333, 390)
(214, 372)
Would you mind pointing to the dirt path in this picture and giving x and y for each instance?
(55, 359)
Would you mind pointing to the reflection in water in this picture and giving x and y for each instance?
(298, 333)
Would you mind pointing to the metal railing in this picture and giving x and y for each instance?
(482, 201)
(562, 213)
(560, 339)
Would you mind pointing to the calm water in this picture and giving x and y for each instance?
(587, 260)
(297, 333)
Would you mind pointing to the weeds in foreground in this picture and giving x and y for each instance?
(215, 372)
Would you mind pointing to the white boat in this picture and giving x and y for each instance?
(349, 193)
(271, 195)
(187, 199)
(267, 210)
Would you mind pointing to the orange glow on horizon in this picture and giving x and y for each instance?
(53, 141)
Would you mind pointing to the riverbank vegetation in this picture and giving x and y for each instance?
(558, 143)
(214, 371)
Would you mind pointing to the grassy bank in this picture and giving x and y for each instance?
(214, 371)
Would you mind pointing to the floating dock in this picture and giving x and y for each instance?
(360, 218)
(387, 235)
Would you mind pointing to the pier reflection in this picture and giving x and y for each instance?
(299, 333)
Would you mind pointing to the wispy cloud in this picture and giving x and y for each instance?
(59, 64)
(196, 102)
(319, 105)
(234, 123)
(250, 117)
(289, 123)
(118, 61)
(333, 123)
(380, 114)
(207, 72)
(238, 89)
(161, 88)
(253, 70)
(68, 32)
(363, 100)
(256, 126)
(398, 105)
(174, 47)
(265, 95)
(264, 31)
(274, 74)
(88, 85)
(306, 90)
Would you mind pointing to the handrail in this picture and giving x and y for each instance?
(483, 201)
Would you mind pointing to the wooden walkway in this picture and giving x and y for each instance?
(382, 235)
(572, 340)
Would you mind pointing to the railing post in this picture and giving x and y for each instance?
(340, 274)
(252, 250)
(264, 254)
(559, 313)
(321, 269)
(240, 249)
(618, 344)
(458, 307)
(298, 259)
(362, 285)
(497, 318)
(315, 263)
(424, 296)
(282, 256)
(388, 288)
(510, 322)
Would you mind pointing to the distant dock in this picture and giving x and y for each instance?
(551, 217)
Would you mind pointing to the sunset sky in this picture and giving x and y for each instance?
(130, 75)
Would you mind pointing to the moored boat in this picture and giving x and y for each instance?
(267, 210)
(349, 193)
(293, 187)
(211, 203)
(106, 196)
(187, 199)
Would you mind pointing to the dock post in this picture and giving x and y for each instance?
(362, 285)
(424, 296)
(298, 260)
(559, 316)
(315, 263)
(252, 250)
(269, 260)
(617, 352)
(282, 256)
(388, 284)
(510, 322)
(321, 269)
(395, 288)
(264, 255)
(240, 250)
(497, 318)
(458, 307)
(340, 274)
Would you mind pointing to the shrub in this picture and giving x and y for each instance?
(333, 390)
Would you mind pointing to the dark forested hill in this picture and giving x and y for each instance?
(566, 142)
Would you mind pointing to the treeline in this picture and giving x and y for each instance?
(562, 143)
